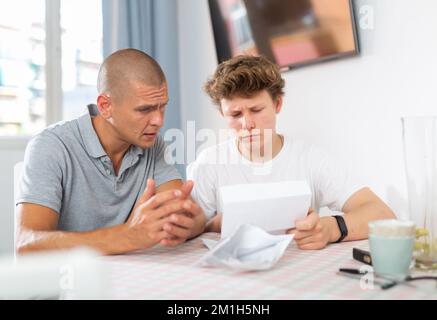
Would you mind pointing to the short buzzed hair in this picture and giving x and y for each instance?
(245, 76)
(125, 67)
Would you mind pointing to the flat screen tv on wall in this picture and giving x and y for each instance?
(291, 33)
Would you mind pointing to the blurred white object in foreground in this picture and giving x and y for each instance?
(72, 274)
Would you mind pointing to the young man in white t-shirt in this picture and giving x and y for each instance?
(249, 93)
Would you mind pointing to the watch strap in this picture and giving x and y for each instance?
(342, 227)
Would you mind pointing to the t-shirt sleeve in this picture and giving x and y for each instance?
(204, 189)
(164, 171)
(41, 179)
(334, 184)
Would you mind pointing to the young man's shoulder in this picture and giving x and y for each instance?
(210, 154)
(303, 148)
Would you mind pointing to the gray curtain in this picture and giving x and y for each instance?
(150, 26)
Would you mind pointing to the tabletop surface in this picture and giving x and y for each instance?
(170, 273)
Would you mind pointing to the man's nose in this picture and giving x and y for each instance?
(157, 118)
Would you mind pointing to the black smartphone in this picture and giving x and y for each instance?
(362, 256)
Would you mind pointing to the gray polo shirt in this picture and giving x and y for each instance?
(66, 169)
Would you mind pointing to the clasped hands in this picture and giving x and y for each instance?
(168, 217)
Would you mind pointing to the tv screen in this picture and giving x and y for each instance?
(289, 32)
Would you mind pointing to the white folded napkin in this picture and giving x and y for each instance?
(248, 248)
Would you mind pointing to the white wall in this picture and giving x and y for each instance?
(352, 107)
(197, 61)
(11, 152)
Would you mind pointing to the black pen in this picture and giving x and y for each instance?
(389, 282)
(357, 274)
(352, 271)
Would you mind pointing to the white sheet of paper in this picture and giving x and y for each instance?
(249, 248)
(270, 206)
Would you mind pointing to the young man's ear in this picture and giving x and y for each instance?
(104, 105)
(278, 106)
(220, 108)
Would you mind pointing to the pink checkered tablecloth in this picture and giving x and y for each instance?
(169, 273)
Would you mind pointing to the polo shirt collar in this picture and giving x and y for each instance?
(137, 150)
(89, 136)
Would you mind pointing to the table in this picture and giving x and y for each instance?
(169, 273)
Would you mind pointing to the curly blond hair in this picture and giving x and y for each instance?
(244, 76)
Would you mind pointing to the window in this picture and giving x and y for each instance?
(82, 29)
(27, 38)
(22, 66)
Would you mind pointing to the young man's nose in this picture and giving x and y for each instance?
(247, 123)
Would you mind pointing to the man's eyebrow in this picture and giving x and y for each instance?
(145, 107)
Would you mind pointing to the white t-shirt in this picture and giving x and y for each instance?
(223, 165)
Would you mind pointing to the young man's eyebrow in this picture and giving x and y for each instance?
(232, 111)
(256, 106)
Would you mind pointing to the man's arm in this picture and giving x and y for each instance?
(37, 226)
(215, 224)
(37, 231)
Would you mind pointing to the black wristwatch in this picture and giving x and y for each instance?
(342, 227)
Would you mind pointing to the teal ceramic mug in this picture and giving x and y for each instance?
(391, 246)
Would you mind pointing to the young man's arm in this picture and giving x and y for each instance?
(363, 206)
(359, 209)
(37, 226)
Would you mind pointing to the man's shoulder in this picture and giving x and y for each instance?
(55, 135)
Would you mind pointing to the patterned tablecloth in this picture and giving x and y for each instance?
(169, 273)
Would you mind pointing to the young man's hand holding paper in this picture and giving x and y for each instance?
(313, 233)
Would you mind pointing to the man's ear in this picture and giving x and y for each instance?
(104, 106)
(279, 102)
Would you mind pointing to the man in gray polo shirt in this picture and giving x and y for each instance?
(101, 180)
